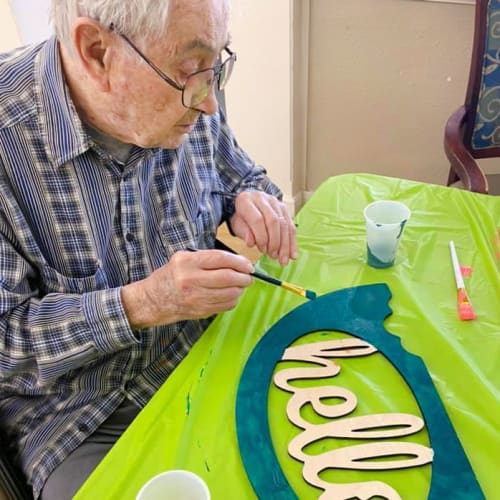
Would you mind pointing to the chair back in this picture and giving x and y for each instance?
(482, 103)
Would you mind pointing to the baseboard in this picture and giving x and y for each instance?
(493, 184)
(294, 203)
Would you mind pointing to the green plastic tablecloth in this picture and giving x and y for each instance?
(190, 423)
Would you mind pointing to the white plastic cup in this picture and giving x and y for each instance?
(175, 485)
(385, 221)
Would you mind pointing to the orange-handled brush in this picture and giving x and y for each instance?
(465, 309)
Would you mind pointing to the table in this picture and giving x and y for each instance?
(191, 424)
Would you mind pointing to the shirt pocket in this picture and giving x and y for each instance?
(52, 281)
(195, 228)
(204, 227)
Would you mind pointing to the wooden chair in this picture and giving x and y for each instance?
(473, 130)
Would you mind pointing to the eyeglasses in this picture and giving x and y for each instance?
(198, 84)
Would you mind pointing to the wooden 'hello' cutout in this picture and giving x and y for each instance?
(378, 426)
(358, 311)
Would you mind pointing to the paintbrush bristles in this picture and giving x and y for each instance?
(293, 288)
(308, 294)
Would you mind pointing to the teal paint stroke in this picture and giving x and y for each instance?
(359, 311)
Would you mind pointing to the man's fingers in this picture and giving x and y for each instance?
(223, 278)
(253, 216)
(217, 260)
(264, 220)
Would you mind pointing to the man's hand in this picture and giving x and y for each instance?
(191, 285)
(262, 220)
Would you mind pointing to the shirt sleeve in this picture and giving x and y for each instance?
(47, 335)
(237, 171)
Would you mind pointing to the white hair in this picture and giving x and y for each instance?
(135, 18)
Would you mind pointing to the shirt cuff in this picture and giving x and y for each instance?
(107, 321)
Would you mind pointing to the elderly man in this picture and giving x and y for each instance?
(114, 159)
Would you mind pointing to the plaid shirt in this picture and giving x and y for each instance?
(75, 226)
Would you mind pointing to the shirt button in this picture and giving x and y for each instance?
(83, 428)
(130, 237)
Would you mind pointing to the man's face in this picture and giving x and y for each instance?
(145, 109)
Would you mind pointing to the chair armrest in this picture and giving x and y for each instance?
(461, 161)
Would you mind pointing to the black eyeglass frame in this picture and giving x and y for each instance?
(217, 69)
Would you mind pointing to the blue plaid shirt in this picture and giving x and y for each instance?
(75, 226)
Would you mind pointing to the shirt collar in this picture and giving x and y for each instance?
(61, 128)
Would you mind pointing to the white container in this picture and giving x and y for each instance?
(175, 485)
(385, 221)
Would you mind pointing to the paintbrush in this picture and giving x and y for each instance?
(465, 309)
(303, 292)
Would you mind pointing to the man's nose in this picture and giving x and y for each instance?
(209, 105)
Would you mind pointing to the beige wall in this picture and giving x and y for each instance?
(380, 80)
(384, 77)
(9, 36)
(267, 97)
(260, 92)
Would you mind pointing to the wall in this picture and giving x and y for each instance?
(384, 78)
(260, 92)
(9, 36)
(32, 18)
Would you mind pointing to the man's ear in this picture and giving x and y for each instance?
(92, 42)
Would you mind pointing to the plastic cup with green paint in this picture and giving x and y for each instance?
(385, 222)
